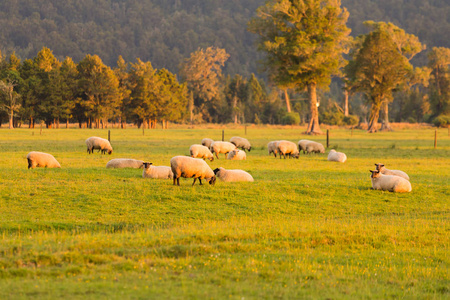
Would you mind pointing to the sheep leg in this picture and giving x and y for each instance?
(200, 181)
(195, 179)
(216, 155)
(30, 164)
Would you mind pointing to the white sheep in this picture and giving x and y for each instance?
(102, 145)
(241, 142)
(232, 175)
(337, 156)
(188, 167)
(302, 145)
(287, 148)
(218, 147)
(272, 147)
(156, 172)
(41, 159)
(314, 147)
(200, 151)
(118, 163)
(237, 154)
(384, 171)
(207, 142)
(390, 183)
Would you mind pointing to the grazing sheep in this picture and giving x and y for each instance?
(237, 154)
(41, 159)
(315, 147)
(302, 145)
(119, 163)
(242, 143)
(287, 147)
(207, 142)
(200, 151)
(98, 143)
(221, 147)
(384, 171)
(188, 167)
(156, 172)
(337, 156)
(390, 183)
(232, 175)
(272, 147)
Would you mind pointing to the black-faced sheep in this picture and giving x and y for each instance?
(188, 167)
(336, 156)
(232, 175)
(102, 145)
(156, 172)
(218, 147)
(241, 142)
(119, 163)
(41, 159)
(384, 171)
(389, 183)
(200, 151)
(287, 148)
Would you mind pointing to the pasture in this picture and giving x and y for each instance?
(305, 229)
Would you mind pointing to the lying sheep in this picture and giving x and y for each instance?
(314, 147)
(272, 147)
(188, 167)
(287, 148)
(337, 156)
(207, 142)
(384, 171)
(240, 142)
(221, 147)
(237, 154)
(41, 159)
(118, 163)
(390, 183)
(232, 175)
(200, 151)
(98, 143)
(156, 172)
(302, 145)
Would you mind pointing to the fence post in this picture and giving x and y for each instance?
(328, 138)
(109, 135)
(245, 129)
(223, 135)
(435, 138)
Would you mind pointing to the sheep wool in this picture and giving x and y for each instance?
(272, 147)
(207, 142)
(41, 159)
(337, 156)
(156, 172)
(200, 151)
(390, 183)
(302, 145)
(288, 148)
(241, 142)
(98, 143)
(119, 163)
(384, 171)
(314, 147)
(232, 175)
(218, 147)
(188, 167)
(237, 154)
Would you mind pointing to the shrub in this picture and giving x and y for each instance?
(351, 120)
(442, 121)
(332, 118)
(291, 118)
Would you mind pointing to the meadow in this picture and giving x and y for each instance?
(305, 229)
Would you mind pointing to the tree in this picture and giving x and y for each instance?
(10, 98)
(439, 61)
(124, 90)
(376, 69)
(304, 42)
(201, 72)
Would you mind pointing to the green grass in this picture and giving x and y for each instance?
(305, 229)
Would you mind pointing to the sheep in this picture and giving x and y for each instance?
(232, 175)
(41, 159)
(188, 167)
(272, 147)
(337, 156)
(200, 151)
(287, 147)
(242, 143)
(156, 172)
(314, 147)
(237, 154)
(221, 147)
(302, 145)
(118, 163)
(384, 171)
(98, 143)
(389, 183)
(207, 142)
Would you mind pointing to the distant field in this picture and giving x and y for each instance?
(305, 229)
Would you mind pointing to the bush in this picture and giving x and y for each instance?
(291, 118)
(442, 121)
(351, 120)
(332, 118)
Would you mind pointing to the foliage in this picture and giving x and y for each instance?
(442, 121)
(292, 118)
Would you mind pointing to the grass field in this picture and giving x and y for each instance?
(305, 229)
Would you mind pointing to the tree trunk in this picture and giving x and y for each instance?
(11, 118)
(31, 122)
(288, 102)
(313, 126)
(385, 126)
(345, 102)
(373, 120)
(67, 123)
